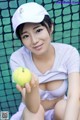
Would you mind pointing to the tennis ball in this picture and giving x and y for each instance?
(21, 76)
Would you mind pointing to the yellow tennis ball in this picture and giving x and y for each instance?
(22, 76)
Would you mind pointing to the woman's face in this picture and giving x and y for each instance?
(36, 38)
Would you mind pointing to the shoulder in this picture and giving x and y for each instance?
(19, 53)
(64, 48)
(69, 51)
(62, 45)
(67, 56)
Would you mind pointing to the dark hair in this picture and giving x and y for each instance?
(46, 22)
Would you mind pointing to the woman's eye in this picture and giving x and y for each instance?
(39, 30)
(25, 36)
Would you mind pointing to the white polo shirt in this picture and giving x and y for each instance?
(67, 60)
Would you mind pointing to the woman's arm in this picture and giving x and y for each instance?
(72, 107)
(31, 95)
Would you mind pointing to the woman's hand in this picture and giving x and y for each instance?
(28, 88)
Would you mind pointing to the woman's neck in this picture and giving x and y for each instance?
(46, 61)
(46, 56)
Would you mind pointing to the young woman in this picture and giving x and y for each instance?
(54, 68)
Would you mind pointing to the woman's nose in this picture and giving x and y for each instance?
(34, 39)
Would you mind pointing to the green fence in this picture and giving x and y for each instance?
(66, 18)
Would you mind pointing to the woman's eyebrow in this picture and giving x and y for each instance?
(23, 32)
(36, 26)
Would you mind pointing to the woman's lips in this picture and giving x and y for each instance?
(38, 47)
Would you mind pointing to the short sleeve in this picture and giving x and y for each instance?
(73, 62)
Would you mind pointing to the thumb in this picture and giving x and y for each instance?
(19, 88)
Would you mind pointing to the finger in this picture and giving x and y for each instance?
(22, 90)
(34, 80)
(33, 83)
(19, 88)
(28, 87)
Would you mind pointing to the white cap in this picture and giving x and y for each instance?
(29, 12)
